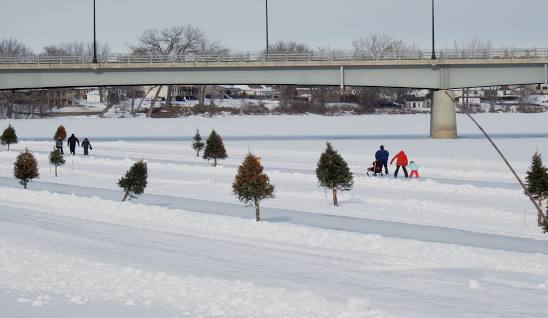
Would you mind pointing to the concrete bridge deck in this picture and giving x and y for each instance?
(408, 69)
(431, 74)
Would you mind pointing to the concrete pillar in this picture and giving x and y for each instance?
(443, 120)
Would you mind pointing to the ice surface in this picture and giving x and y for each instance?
(461, 241)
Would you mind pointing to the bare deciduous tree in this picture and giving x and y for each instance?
(76, 49)
(377, 44)
(400, 94)
(175, 41)
(12, 47)
(491, 94)
(288, 47)
(374, 46)
(524, 95)
(369, 98)
(172, 41)
(473, 46)
(287, 92)
(208, 47)
(65, 49)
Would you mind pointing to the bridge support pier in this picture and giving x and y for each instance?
(443, 120)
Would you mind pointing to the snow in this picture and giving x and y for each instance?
(82, 106)
(193, 296)
(302, 127)
(474, 284)
(462, 240)
(123, 110)
(541, 100)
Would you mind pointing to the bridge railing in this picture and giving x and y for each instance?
(260, 57)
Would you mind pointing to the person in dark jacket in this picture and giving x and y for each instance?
(382, 157)
(59, 145)
(86, 145)
(72, 141)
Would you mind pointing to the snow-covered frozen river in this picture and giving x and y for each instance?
(461, 241)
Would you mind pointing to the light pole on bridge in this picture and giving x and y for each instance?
(94, 36)
(433, 31)
(267, 44)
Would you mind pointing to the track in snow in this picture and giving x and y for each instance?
(359, 225)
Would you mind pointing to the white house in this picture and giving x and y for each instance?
(471, 93)
(257, 91)
(418, 101)
(418, 105)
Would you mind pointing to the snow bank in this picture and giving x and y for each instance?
(82, 281)
(410, 254)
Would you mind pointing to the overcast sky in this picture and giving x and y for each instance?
(239, 24)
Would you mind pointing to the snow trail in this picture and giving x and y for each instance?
(141, 255)
(340, 223)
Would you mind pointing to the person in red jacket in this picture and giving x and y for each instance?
(401, 161)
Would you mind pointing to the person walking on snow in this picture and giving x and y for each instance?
(382, 157)
(72, 144)
(401, 162)
(414, 170)
(59, 145)
(86, 145)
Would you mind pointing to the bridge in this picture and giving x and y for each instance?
(407, 69)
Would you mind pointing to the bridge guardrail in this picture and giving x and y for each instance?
(260, 57)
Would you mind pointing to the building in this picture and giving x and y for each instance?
(47, 97)
(419, 105)
(255, 91)
(192, 92)
(59, 98)
(541, 89)
(418, 101)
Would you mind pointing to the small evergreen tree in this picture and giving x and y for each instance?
(215, 148)
(25, 168)
(60, 133)
(198, 144)
(537, 181)
(56, 159)
(8, 137)
(537, 178)
(333, 172)
(251, 185)
(135, 180)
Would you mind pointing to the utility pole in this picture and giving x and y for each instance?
(267, 44)
(433, 31)
(94, 36)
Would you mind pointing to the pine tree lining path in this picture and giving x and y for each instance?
(497, 184)
(394, 229)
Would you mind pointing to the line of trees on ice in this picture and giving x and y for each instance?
(251, 184)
